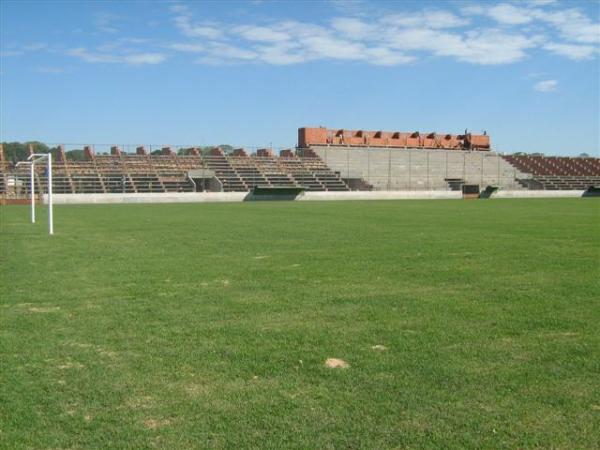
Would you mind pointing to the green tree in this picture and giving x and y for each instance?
(19, 151)
(75, 155)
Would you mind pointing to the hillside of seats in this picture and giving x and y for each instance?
(380, 168)
(557, 172)
(168, 172)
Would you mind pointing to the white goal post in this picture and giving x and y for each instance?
(32, 160)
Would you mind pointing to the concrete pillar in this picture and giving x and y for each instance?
(89, 153)
(61, 155)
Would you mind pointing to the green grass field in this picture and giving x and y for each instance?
(208, 325)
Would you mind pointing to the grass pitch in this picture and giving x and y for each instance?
(207, 326)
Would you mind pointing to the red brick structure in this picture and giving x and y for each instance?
(216, 151)
(324, 136)
(267, 152)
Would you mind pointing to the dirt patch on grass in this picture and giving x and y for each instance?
(260, 257)
(379, 348)
(144, 402)
(153, 424)
(80, 345)
(195, 389)
(100, 350)
(71, 365)
(559, 334)
(44, 309)
(336, 363)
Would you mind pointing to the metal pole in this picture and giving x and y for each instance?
(32, 178)
(50, 217)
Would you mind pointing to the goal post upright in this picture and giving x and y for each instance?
(50, 206)
(32, 159)
(32, 179)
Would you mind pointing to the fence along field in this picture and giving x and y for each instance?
(463, 324)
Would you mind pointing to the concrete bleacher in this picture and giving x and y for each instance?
(557, 172)
(316, 168)
(167, 172)
(419, 168)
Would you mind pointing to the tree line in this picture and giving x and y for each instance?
(19, 151)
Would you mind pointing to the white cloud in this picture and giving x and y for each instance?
(572, 51)
(282, 54)
(9, 53)
(187, 47)
(183, 21)
(50, 70)
(261, 34)
(332, 48)
(383, 56)
(546, 86)
(128, 58)
(105, 22)
(491, 46)
(426, 19)
(143, 58)
(34, 47)
(571, 23)
(353, 28)
(485, 33)
(232, 52)
(482, 34)
(18, 49)
(508, 14)
(179, 8)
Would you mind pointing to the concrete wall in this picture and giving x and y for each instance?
(174, 197)
(419, 169)
(209, 197)
(538, 194)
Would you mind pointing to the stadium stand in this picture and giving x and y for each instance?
(325, 160)
(168, 172)
(416, 168)
(557, 172)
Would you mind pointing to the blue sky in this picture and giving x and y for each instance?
(251, 73)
